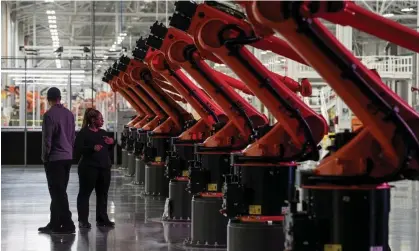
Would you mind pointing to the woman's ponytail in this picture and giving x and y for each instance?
(89, 114)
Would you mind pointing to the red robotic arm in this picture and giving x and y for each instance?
(386, 149)
(142, 118)
(207, 109)
(299, 129)
(180, 50)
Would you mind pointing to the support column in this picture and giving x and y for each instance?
(344, 35)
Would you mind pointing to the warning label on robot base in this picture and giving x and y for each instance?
(212, 187)
(185, 173)
(255, 209)
(332, 247)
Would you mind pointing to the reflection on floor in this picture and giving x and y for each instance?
(25, 207)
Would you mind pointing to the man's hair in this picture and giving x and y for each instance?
(53, 94)
(89, 115)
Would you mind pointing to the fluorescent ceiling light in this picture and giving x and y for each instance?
(51, 12)
(407, 9)
(52, 21)
(48, 79)
(42, 70)
(388, 15)
(47, 83)
(48, 75)
(49, 1)
(52, 17)
(53, 26)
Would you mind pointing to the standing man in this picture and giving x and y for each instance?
(58, 135)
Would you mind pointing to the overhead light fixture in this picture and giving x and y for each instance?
(41, 70)
(407, 9)
(388, 15)
(47, 83)
(52, 21)
(47, 75)
(51, 12)
(53, 26)
(49, 1)
(60, 79)
(52, 17)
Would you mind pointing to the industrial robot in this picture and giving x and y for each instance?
(258, 192)
(139, 135)
(144, 113)
(158, 140)
(348, 202)
(212, 117)
(211, 159)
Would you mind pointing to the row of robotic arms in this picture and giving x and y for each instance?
(240, 170)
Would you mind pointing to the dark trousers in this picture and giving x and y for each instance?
(58, 174)
(93, 178)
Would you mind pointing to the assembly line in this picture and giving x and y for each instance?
(232, 174)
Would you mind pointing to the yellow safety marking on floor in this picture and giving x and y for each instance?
(212, 187)
(255, 209)
(332, 247)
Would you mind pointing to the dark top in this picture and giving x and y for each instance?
(58, 132)
(85, 141)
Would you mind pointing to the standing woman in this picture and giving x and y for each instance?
(95, 147)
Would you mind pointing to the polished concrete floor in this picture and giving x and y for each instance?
(25, 207)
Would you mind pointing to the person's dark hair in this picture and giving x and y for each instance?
(89, 115)
(53, 94)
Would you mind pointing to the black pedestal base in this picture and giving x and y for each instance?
(178, 205)
(131, 165)
(250, 236)
(139, 172)
(124, 161)
(208, 225)
(156, 184)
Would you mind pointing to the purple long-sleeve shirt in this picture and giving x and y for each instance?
(58, 134)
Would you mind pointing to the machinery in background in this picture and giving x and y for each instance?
(212, 156)
(155, 113)
(266, 168)
(141, 108)
(212, 118)
(348, 202)
(158, 140)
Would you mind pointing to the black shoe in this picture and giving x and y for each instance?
(85, 225)
(64, 230)
(47, 229)
(105, 224)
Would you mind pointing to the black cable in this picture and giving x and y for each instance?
(233, 45)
